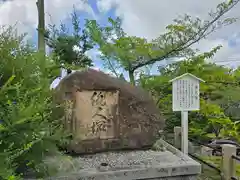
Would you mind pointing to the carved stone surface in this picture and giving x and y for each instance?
(108, 113)
(95, 112)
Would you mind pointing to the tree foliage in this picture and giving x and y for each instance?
(212, 120)
(133, 53)
(69, 49)
(27, 130)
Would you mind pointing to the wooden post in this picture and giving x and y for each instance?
(177, 136)
(184, 134)
(228, 164)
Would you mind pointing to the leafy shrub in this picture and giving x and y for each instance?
(27, 130)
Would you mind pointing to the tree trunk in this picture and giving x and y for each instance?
(131, 77)
(41, 26)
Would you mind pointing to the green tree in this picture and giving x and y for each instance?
(133, 53)
(69, 49)
(212, 120)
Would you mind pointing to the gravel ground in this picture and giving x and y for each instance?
(122, 160)
(112, 160)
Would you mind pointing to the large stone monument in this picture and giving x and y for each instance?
(106, 113)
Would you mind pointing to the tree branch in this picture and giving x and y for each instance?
(200, 34)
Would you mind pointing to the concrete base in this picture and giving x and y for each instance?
(176, 178)
(126, 177)
(149, 165)
(163, 178)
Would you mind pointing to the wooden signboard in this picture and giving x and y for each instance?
(185, 97)
(185, 93)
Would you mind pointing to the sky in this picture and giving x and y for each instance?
(143, 18)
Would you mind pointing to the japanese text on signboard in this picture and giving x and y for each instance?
(185, 95)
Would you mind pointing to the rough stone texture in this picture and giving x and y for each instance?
(135, 118)
(135, 165)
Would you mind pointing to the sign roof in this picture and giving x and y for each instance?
(186, 74)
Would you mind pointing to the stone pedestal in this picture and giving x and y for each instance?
(136, 165)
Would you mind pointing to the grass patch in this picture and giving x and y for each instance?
(217, 161)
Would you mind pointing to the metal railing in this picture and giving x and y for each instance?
(202, 161)
(202, 144)
(226, 169)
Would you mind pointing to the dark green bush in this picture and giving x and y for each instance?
(28, 131)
